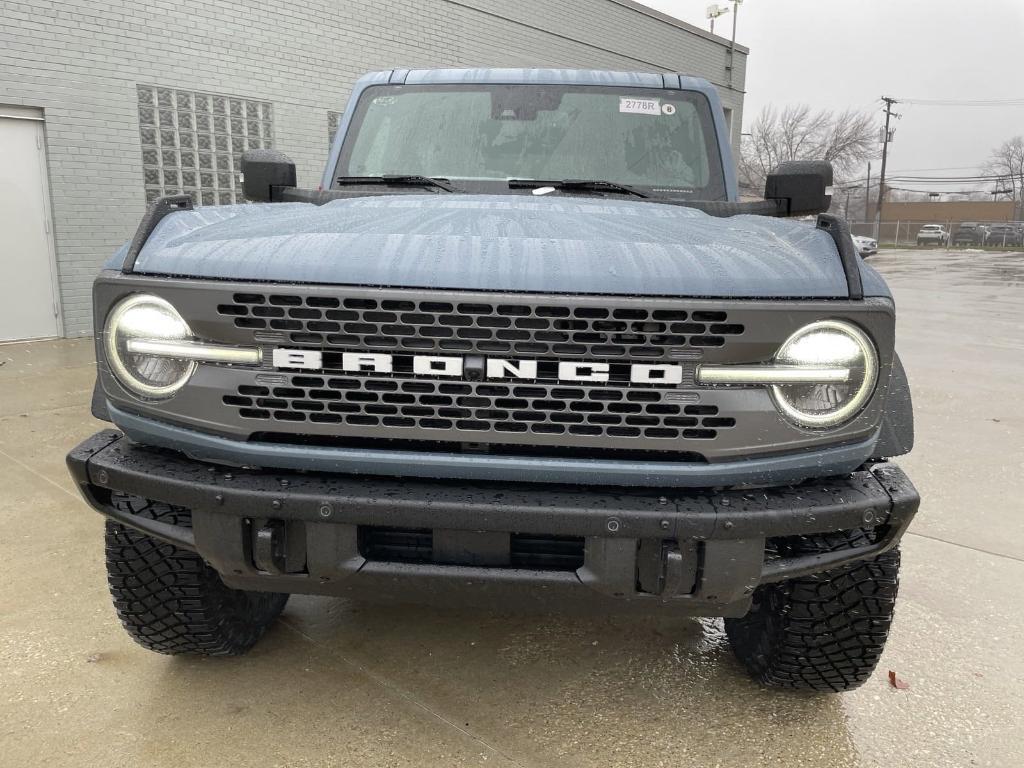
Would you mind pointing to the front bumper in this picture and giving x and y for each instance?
(695, 551)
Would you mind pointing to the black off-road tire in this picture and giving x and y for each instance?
(824, 632)
(169, 600)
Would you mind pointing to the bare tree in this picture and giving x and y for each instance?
(1007, 162)
(847, 139)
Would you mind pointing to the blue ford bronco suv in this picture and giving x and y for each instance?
(523, 346)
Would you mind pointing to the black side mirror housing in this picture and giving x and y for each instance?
(264, 173)
(801, 187)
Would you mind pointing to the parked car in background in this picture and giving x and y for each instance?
(932, 234)
(865, 246)
(1004, 235)
(970, 233)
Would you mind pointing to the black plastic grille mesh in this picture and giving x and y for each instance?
(593, 333)
(402, 405)
(416, 545)
(478, 407)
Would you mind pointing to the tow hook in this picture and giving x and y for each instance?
(268, 551)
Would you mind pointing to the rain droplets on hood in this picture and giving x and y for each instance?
(552, 244)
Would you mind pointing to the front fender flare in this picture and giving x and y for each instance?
(897, 434)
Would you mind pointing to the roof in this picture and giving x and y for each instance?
(538, 77)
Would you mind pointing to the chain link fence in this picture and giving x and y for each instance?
(952, 234)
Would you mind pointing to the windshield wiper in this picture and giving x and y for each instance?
(398, 180)
(598, 185)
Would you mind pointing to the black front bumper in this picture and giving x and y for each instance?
(700, 552)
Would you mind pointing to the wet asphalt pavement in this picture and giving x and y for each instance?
(337, 683)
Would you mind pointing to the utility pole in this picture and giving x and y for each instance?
(886, 137)
(867, 195)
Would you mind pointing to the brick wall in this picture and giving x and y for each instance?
(82, 60)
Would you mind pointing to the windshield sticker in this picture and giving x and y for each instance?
(668, 109)
(640, 106)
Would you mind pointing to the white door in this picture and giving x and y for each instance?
(28, 309)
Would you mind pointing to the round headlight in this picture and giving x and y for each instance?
(142, 317)
(827, 344)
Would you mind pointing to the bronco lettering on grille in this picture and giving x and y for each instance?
(495, 368)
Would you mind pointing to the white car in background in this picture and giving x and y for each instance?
(932, 234)
(865, 246)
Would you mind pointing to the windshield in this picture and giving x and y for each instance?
(660, 140)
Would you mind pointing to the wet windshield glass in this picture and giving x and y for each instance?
(654, 139)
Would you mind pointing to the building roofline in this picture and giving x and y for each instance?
(674, 22)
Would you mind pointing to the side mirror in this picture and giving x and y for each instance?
(264, 173)
(802, 187)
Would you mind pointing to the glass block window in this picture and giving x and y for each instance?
(333, 118)
(192, 142)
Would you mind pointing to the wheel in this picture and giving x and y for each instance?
(823, 632)
(169, 600)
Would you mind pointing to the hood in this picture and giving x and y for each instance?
(548, 244)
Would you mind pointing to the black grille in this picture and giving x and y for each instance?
(395, 545)
(479, 407)
(533, 552)
(546, 553)
(594, 333)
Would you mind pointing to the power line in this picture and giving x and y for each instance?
(935, 179)
(948, 191)
(952, 179)
(951, 168)
(1011, 102)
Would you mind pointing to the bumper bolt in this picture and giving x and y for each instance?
(326, 511)
(276, 504)
(728, 525)
(219, 498)
(665, 525)
(613, 525)
(869, 516)
(102, 477)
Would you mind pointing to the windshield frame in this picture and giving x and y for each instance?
(717, 189)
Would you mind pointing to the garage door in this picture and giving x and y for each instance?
(28, 308)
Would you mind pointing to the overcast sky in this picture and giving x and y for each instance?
(848, 53)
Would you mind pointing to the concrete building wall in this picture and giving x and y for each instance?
(89, 64)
